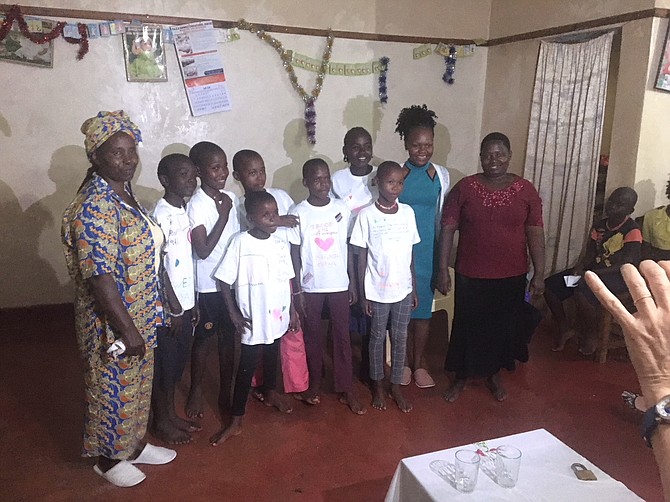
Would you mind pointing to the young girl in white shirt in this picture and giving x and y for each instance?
(387, 232)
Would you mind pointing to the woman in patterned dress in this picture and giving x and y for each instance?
(499, 219)
(112, 249)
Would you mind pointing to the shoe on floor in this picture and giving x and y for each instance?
(155, 455)
(124, 474)
(422, 379)
(406, 376)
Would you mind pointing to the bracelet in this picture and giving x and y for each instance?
(296, 294)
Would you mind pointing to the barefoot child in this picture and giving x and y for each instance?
(320, 260)
(387, 232)
(355, 187)
(257, 265)
(176, 173)
(213, 216)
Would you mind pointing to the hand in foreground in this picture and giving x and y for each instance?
(537, 285)
(134, 343)
(240, 322)
(647, 331)
(288, 220)
(223, 203)
(443, 284)
(353, 294)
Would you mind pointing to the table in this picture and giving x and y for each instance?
(545, 475)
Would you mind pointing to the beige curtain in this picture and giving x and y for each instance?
(564, 141)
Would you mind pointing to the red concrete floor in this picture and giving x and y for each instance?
(317, 453)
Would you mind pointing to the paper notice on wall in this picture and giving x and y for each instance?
(201, 68)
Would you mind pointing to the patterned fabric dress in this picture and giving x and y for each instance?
(103, 235)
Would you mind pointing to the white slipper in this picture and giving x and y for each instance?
(124, 474)
(155, 455)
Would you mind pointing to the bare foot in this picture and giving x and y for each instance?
(272, 398)
(455, 390)
(350, 399)
(378, 401)
(186, 425)
(168, 432)
(404, 405)
(308, 397)
(194, 406)
(494, 384)
(562, 339)
(233, 429)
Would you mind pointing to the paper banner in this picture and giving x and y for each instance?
(462, 51)
(342, 69)
(422, 51)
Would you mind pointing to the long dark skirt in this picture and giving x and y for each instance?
(488, 331)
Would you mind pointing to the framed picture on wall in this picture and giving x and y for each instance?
(144, 54)
(663, 77)
(16, 48)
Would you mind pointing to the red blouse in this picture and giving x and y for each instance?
(492, 226)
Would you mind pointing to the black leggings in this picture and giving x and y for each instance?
(245, 372)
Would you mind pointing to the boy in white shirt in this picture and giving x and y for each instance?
(257, 266)
(321, 263)
(176, 173)
(387, 232)
(212, 212)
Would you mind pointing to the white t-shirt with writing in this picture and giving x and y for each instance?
(389, 239)
(357, 192)
(284, 203)
(322, 237)
(260, 271)
(178, 257)
(201, 210)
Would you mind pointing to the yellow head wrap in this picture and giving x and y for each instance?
(104, 125)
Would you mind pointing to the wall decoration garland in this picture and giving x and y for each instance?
(309, 98)
(450, 63)
(383, 89)
(15, 14)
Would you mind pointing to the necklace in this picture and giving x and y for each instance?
(387, 208)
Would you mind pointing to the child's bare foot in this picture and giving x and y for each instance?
(378, 401)
(186, 425)
(194, 404)
(495, 386)
(272, 398)
(404, 405)
(562, 339)
(350, 399)
(233, 429)
(454, 390)
(308, 397)
(168, 432)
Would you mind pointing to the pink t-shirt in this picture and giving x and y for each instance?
(492, 226)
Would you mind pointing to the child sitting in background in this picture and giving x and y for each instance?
(212, 212)
(257, 265)
(320, 259)
(386, 232)
(176, 173)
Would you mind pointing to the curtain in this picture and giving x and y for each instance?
(564, 141)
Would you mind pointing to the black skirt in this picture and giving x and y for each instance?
(490, 329)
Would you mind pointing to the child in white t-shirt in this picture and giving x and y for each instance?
(212, 212)
(257, 266)
(320, 259)
(387, 232)
(176, 173)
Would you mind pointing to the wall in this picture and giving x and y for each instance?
(40, 118)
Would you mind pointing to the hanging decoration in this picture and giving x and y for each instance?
(15, 14)
(383, 90)
(450, 63)
(309, 98)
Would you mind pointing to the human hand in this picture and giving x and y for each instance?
(353, 294)
(134, 343)
(368, 308)
(240, 322)
(537, 285)
(294, 320)
(443, 282)
(647, 332)
(223, 203)
(288, 220)
(415, 300)
(299, 304)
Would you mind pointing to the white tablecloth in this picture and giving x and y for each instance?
(545, 475)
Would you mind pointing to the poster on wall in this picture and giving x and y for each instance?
(663, 78)
(201, 68)
(16, 48)
(144, 54)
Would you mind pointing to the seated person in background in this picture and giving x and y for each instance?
(656, 232)
(613, 241)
